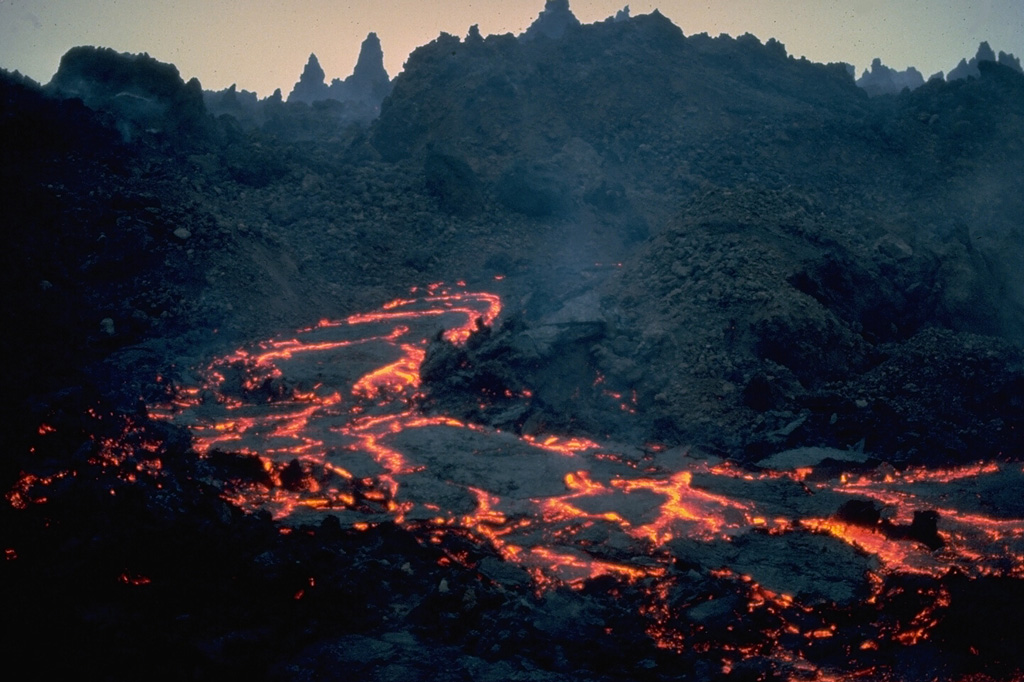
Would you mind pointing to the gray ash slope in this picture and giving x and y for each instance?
(767, 257)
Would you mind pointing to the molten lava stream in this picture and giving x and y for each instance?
(269, 400)
(327, 413)
(973, 542)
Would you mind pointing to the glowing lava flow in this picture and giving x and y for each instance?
(329, 415)
(259, 409)
(335, 397)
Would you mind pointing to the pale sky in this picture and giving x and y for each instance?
(261, 45)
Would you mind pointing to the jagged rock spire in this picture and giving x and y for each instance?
(985, 53)
(311, 86)
(969, 69)
(1009, 60)
(368, 85)
(369, 82)
(370, 65)
(313, 73)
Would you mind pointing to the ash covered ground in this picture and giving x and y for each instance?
(751, 409)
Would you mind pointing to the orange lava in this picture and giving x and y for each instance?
(369, 412)
(322, 410)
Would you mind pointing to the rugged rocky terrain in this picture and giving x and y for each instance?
(727, 261)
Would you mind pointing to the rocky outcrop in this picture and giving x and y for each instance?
(1010, 61)
(143, 94)
(746, 328)
(369, 83)
(531, 97)
(310, 86)
(554, 20)
(883, 80)
(970, 69)
(366, 88)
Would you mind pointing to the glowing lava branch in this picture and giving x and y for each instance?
(398, 376)
(576, 568)
(895, 555)
(974, 543)
(562, 446)
(369, 431)
(479, 306)
(490, 523)
(709, 515)
(686, 511)
(285, 350)
(245, 404)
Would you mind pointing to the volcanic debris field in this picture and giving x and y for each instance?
(596, 353)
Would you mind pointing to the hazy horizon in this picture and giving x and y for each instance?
(263, 45)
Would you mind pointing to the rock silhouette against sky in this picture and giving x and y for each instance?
(368, 84)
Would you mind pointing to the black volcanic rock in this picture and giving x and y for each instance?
(453, 183)
(504, 97)
(243, 105)
(553, 21)
(883, 80)
(369, 83)
(362, 92)
(311, 86)
(985, 53)
(142, 93)
(806, 268)
(962, 70)
(98, 258)
(1010, 61)
(532, 189)
(970, 69)
(97, 74)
